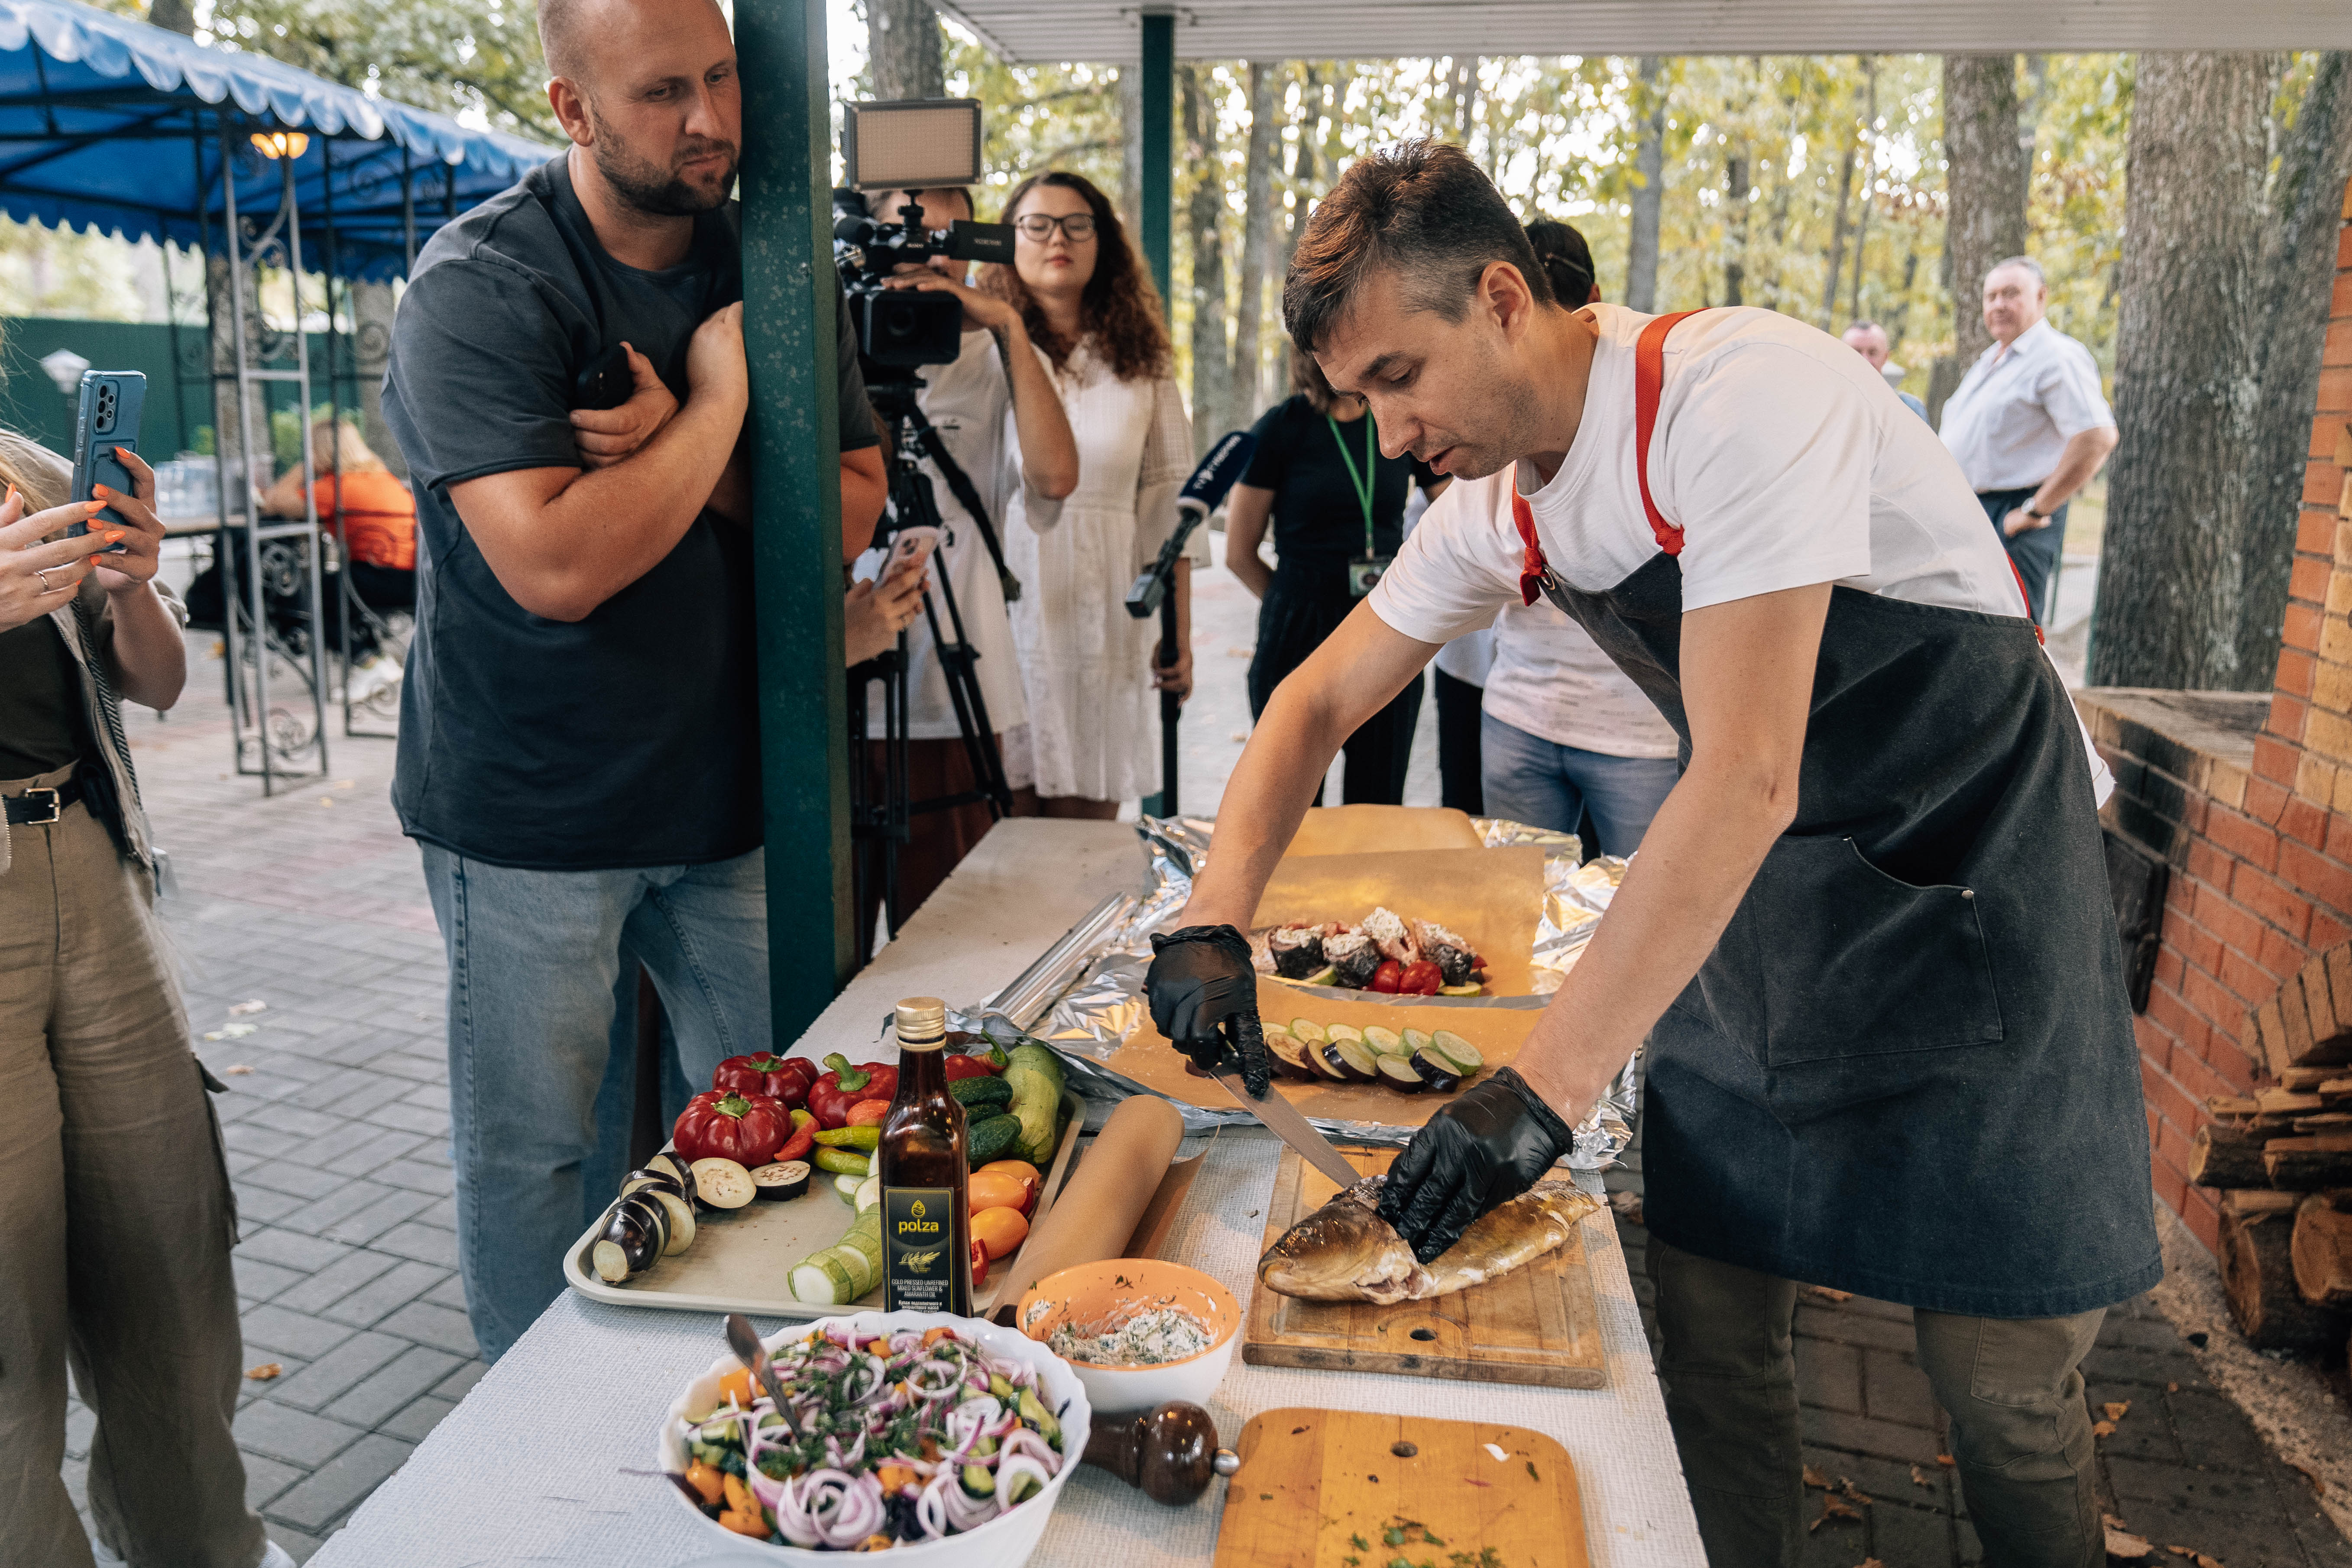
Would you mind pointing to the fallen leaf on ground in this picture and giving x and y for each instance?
(1826, 1294)
(265, 1372)
(2171, 1388)
(2115, 1409)
(1816, 1476)
(255, 1005)
(1946, 1460)
(2122, 1543)
(1920, 1477)
(2103, 1429)
(2195, 1556)
(239, 1071)
(1835, 1507)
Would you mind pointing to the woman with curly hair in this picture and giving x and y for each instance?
(1087, 668)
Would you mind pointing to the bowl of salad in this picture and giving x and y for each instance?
(1137, 1332)
(943, 1440)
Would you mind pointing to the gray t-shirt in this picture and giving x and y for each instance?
(628, 738)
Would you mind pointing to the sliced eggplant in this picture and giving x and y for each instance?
(1414, 1040)
(1385, 1041)
(680, 1215)
(1289, 1056)
(1308, 1031)
(670, 1161)
(1436, 1071)
(632, 1239)
(1399, 1074)
(1335, 1033)
(784, 1179)
(1354, 1062)
(1457, 1050)
(723, 1183)
(1326, 1070)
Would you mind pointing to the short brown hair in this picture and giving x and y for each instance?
(1422, 209)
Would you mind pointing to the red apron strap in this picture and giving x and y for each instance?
(1531, 561)
(1649, 381)
(2026, 596)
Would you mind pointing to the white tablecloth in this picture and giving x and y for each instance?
(530, 1468)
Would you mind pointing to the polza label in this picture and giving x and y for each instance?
(918, 1247)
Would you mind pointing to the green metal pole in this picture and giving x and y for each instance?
(1159, 73)
(788, 336)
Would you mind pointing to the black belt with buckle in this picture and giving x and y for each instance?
(39, 807)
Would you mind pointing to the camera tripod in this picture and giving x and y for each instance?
(879, 826)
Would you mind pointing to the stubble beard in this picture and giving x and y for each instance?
(655, 191)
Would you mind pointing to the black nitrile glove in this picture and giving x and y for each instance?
(1485, 1147)
(1201, 977)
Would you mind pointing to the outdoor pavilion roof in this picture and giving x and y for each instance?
(1107, 30)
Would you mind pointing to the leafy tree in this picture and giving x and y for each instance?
(465, 57)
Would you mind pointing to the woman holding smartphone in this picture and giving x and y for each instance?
(1087, 668)
(103, 1267)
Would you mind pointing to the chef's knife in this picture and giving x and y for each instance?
(1276, 1115)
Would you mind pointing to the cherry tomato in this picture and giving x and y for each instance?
(1388, 977)
(1421, 978)
(999, 1230)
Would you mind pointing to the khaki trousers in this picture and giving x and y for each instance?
(117, 1226)
(2020, 1430)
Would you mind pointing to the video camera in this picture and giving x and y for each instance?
(914, 145)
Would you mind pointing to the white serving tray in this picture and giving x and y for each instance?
(741, 1259)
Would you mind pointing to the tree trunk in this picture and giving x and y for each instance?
(1985, 184)
(2298, 272)
(1869, 138)
(174, 16)
(1305, 165)
(1735, 197)
(2188, 375)
(904, 46)
(372, 338)
(1211, 361)
(1836, 268)
(1257, 240)
(1650, 164)
(1131, 150)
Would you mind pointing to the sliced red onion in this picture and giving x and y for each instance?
(1018, 1465)
(1020, 1440)
(860, 1515)
(931, 1508)
(794, 1521)
(966, 1512)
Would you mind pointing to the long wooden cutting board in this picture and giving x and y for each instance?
(1327, 1488)
(1535, 1325)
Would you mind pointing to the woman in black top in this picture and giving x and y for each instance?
(1338, 507)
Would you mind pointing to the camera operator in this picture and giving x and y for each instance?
(578, 735)
(997, 412)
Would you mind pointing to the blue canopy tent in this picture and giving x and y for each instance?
(106, 123)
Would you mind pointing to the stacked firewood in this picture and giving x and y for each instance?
(2283, 1159)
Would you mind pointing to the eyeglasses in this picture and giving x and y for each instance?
(1077, 228)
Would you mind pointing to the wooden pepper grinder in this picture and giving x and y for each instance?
(1169, 1452)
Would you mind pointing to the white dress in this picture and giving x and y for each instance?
(1086, 663)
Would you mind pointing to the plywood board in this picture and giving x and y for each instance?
(1491, 899)
(1367, 829)
(1146, 1056)
(1539, 1325)
(1331, 1489)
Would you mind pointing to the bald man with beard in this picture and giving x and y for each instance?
(577, 739)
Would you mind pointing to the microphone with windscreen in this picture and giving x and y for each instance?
(1202, 494)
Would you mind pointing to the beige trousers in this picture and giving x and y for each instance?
(2020, 1430)
(115, 1228)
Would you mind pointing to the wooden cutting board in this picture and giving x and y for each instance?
(1537, 1324)
(1327, 1488)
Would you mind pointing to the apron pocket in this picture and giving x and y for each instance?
(1856, 964)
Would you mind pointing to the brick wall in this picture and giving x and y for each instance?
(2250, 802)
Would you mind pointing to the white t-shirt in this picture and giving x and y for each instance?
(970, 405)
(1784, 457)
(2013, 414)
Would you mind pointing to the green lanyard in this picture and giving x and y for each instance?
(1363, 479)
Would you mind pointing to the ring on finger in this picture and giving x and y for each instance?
(43, 574)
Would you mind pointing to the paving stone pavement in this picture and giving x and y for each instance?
(336, 1117)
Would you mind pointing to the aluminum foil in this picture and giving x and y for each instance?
(1085, 994)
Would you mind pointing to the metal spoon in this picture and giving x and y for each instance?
(744, 1341)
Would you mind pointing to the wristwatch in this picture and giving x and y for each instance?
(2037, 516)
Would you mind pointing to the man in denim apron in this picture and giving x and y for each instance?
(1867, 940)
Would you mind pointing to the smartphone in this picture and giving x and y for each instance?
(606, 383)
(910, 548)
(105, 416)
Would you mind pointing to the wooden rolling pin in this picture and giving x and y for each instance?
(1097, 1210)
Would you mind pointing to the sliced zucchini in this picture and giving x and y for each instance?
(1308, 1031)
(1457, 1050)
(1335, 1033)
(847, 1187)
(1471, 989)
(1326, 1068)
(1385, 1041)
(1398, 1073)
(1414, 1040)
(1271, 1029)
(1327, 975)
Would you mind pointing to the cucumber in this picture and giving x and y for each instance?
(1035, 1074)
(991, 1138)
(1457, 1050)
(973, 1092)
(838, 1275)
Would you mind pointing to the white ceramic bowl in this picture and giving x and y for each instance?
(1004, 1541)
(1108, 1292)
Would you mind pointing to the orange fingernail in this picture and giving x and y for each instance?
(99, 490)
(111, 534)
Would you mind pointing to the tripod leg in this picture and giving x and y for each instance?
(1170, 707)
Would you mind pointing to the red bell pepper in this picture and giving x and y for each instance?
(801, 1142)
(869, 1113)
(1420, 978)
(784, 1079)
(962, 1067)
(1389, 977)
(831, 1096)
(745, 1128)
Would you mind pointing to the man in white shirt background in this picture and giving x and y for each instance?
(2028, 425)
(1869, 339)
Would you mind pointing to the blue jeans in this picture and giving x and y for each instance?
(535, 961)
(1529, 779)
